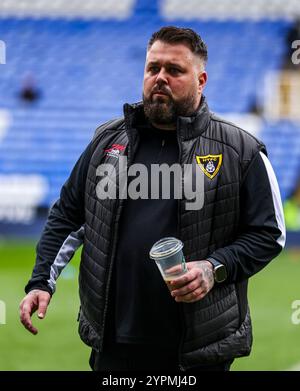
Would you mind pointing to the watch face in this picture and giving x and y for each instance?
(220, 273)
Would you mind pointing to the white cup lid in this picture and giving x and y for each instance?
(165, 247)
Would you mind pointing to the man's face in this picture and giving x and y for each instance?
(173, 83)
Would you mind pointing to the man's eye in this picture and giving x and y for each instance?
(153, 69)
(174, 71)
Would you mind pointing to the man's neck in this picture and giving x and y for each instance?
(164, 126)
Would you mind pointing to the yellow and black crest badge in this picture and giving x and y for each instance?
(210, 164)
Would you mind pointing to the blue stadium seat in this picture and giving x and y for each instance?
(86, 70)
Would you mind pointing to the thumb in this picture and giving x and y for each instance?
(42, 309)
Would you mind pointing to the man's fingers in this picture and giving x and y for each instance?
(29, 326)
(193, 292)
(194, 284)
(26, 311)
(35, 300)
(43, 304)
(186, 288)
(174, 269)
(183, 280)
(191, 297)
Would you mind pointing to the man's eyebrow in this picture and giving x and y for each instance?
(156, 62)
(153, 62)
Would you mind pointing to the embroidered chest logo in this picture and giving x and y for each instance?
(210, 164)
(114, 150)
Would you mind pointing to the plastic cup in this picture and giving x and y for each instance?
(168, 255)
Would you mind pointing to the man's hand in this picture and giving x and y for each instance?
(194, 284)
(34, 300)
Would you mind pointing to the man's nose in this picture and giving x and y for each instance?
(161, 77)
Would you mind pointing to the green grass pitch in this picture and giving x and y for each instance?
(58, 347)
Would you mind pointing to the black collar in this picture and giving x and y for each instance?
(187, 127)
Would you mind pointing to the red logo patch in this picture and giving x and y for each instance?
(114, 150)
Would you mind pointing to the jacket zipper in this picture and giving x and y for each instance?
(163, 142)
(111, 257)
(118, 208)
(181, 313)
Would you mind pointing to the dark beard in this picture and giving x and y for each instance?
(166, 112)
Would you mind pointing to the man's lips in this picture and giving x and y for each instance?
(160, 93)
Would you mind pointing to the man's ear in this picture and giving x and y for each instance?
(202, 79)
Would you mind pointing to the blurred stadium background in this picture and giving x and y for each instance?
(70, 65)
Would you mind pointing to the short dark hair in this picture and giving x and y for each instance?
(175, 35)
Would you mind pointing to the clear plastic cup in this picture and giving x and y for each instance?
(168, 255)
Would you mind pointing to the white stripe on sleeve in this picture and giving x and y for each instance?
(276, 199)
(64, 255)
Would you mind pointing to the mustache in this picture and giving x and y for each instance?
(161, 90)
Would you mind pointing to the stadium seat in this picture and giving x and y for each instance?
(86, 69)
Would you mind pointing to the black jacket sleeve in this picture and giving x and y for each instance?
(63, 232)
(261, 234)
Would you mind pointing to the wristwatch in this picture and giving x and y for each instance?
(219, 270)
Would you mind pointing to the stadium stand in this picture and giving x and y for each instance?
(230, 9)
(87, 67)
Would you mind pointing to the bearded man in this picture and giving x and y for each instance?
(129, 316)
